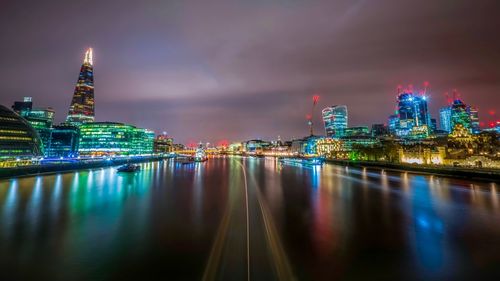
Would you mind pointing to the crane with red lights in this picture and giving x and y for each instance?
(310, 116)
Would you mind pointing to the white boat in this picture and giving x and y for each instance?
(200, 155)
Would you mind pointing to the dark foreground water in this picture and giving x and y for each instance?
(248, 219)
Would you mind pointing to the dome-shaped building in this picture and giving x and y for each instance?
(19, 142)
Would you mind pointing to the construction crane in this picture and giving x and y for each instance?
(310, 116)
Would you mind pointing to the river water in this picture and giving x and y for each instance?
(234, 218)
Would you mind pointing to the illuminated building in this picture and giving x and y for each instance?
(422, 155)
(350, 143)
(433, 125)
(393, 124)
(445, 118)
(460, 115)
(20, 106)
(474, 118)
(461, 132)
(179, 147)
(63, 142)
(335, 120)
(40, 118)
(304, 146)
(357, 131)
(413, 114)
(379, 130)
(163, 144)
(81, 109)
(19, 141)
(114, 139)
(308, 146)
(235, 148)
(256, 146)
(331, 148)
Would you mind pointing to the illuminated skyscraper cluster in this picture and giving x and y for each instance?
(413, 119)
(459, 113)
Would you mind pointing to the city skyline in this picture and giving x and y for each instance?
(153, 81)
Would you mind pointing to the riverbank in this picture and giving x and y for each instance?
(52, 168)
(460, 172)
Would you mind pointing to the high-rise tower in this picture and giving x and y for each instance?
(335, 120)
(82, 105)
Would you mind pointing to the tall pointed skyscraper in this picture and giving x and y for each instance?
(82, 105)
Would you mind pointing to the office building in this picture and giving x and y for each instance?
(19, 141)
(114, 139)
(474, 118)
(82, 105)
(63, 142)
(357, 131)
(335, 119)
(379, 130)
(41, 119)
(163, 144)
(413, 118)
(445, 118)
(460, 115)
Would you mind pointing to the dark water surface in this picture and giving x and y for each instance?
(248, 219)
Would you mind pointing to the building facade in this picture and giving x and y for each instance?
(474, 119)
(81, 109)
(19, 141)
(379, 130)
(163, 144)
(445, 118)
(413, 118)
(41, 119)
(335, 119)
(63, 142)
(357, 131)
(460, 115)
(114, 139)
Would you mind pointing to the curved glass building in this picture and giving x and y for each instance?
(114, 139)
(19, 141)
(335, 120)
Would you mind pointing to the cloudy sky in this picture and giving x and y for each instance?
(212, 70)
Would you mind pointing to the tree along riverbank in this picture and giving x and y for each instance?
(460, 172)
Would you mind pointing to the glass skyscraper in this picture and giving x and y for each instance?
(82, 105)
(445, 118)
(413, 118)
(474, 118)
(335, 120)
(460, 115)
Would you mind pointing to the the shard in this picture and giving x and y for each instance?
(82, 105)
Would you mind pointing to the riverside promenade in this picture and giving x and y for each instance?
(459, 172)
(72, 165)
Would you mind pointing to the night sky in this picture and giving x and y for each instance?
(212, 70)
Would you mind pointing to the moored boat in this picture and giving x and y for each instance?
(184, 160)
(310, 161)
(129, 168)
(200, 155)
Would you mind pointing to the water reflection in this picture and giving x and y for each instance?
(355, 209)
(334, 222)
